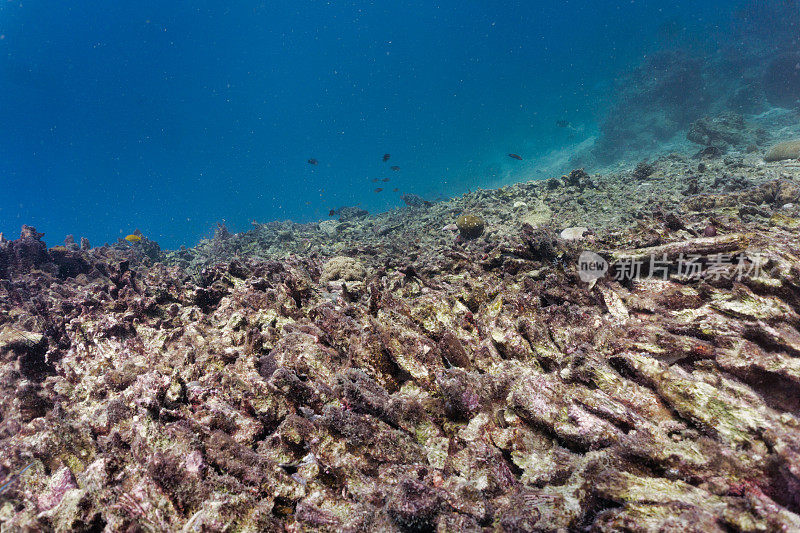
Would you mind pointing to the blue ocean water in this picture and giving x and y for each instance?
(171, 116)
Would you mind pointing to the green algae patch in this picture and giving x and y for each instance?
(436, 451)
(784, 221)
(652, 501)
(539, 214)
(495, 307)
(745, 304)
(629, 488)
(698, 401)
(745, 357)
(434, 315)
(649, 348)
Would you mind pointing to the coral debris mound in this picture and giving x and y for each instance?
(383, 374)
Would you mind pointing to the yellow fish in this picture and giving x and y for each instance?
(133, 238)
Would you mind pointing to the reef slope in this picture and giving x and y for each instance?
(417, 381)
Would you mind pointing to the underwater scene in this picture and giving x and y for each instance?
(400, 266)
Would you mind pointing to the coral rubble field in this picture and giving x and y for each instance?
(388, 373)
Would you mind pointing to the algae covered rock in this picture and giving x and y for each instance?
(784, 221)
(414, 506)
(784, 150)
(470, 226)
(724, 130)
(577, 178)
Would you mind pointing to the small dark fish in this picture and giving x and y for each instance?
(515, 156)
(395, 168)
(313, 161)
(386, 157)
(385, 180)
(395, 190)
(563, 123)
(332, 213)
(379, 189)
(374, 180)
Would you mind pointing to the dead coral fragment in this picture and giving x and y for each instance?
(574, 234)
(539, 244)
(701, 246)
